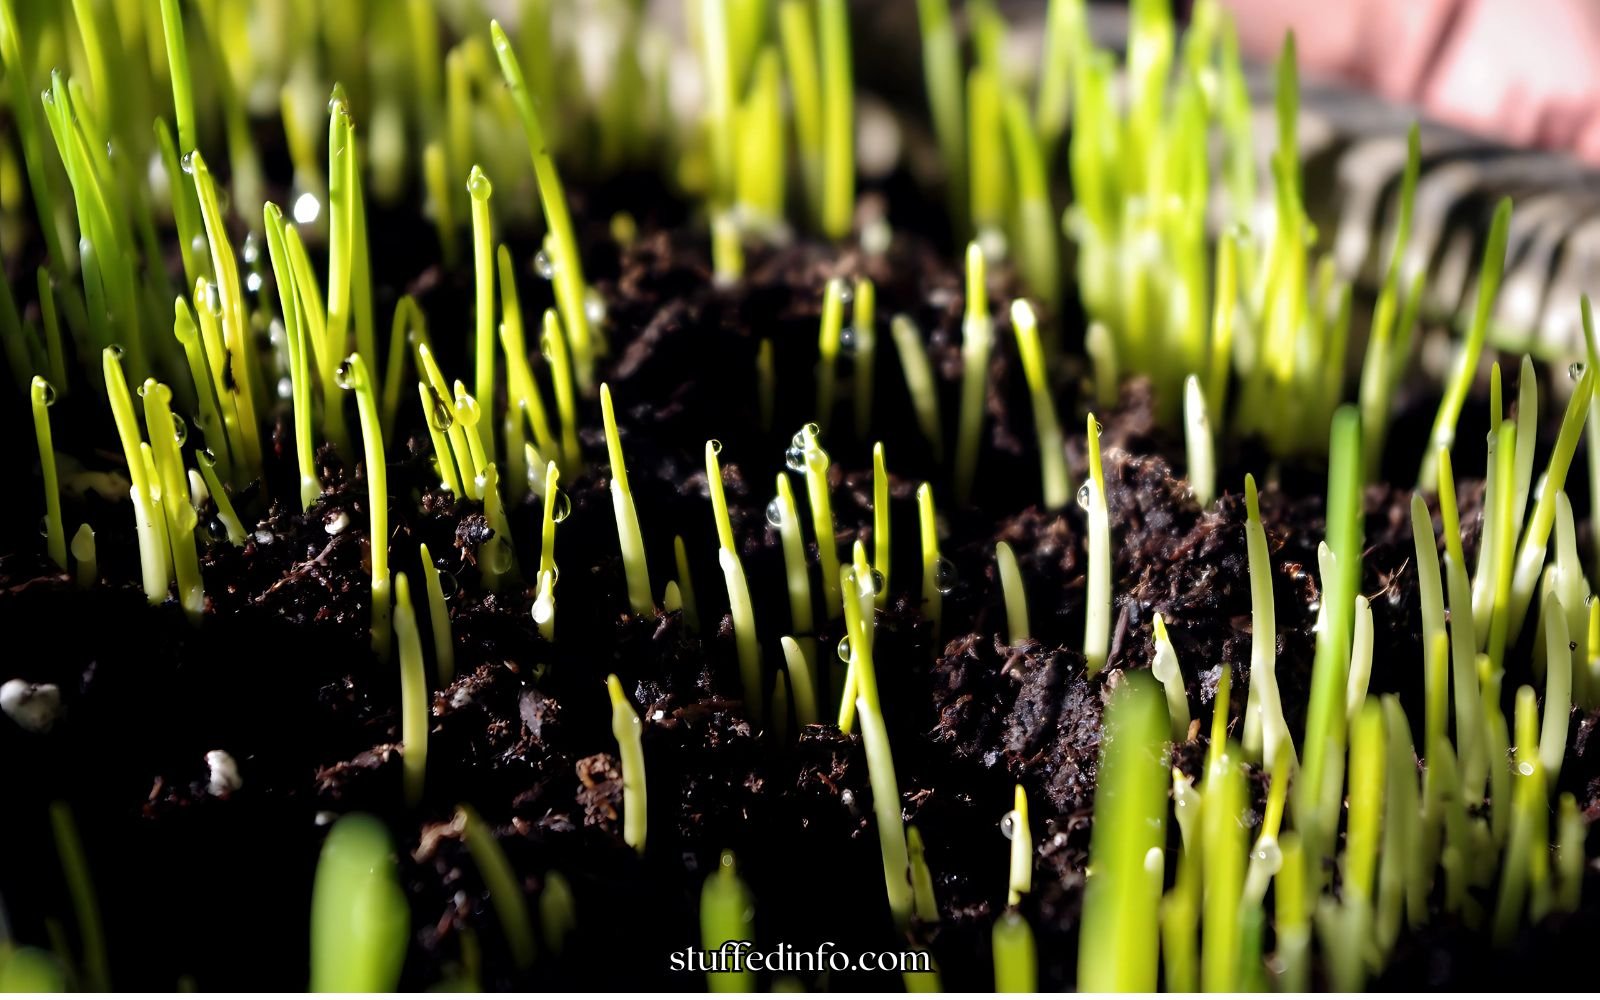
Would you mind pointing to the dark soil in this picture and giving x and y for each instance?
(281, 677)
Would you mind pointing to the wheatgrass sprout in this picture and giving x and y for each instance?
(924, 903)
(918, 370)
(838, 119)
(685, 584)
(1199, 445)
(1052, 456)
(570, 289)
(1166, 670)
(937, 572)
(544, 602)
(1443, 435)
(1021, 834)
(553, 341)
(483, 265)
(353, 376)
(807, 453)
(522, 390)
(349, 269)
(1573, 591)
(830, 335)
(360, 923)
(1092, 496)
(941, 74)
(1571, 829)
(863, 342)
(885, 800)
(85, 907)
(640, 597)
(42, 396)
(414, 723)
(149, 523)
(977, 339)
(295, 336)
(88, 572)
(1180, 923)
(225, 512)
(1557, 688)
(1526, 857)
(727, 913)
(1119, 935)
(1265, 859)
(1016, 962)
(740, 606)
(1531, 555)
(989, 186)
(1360, 674)
(504, 887)
(1223, 834)
(628, 730)
(443, 418)
(235, 322)
(1402, 882)
(1316, 798)
(801, 680)
(444, 648)
(1382, 364)
(782, 510)
(166, 434)
(1018, 630)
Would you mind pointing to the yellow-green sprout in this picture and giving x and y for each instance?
(937, 572)
(83, 553)
(444, 650)
(354, 377)
(544, 602)
(1052, 456)
(685, 584)
(1097, 607)
(864, 343)
(1265, 731)
(640, 597)
(740, 606)
(1165, 667)
(918, 370)
(783, 514)
(42, 396)
(1016, 962)
(225, 512)
(166, 435)
(727, 913)
(413, 692)
(628, 730)
(505, 888)
(1016, 598)
(977, 339)
(880, 523)
(480, 189)
(806, 452)
(830, 336)
(800, 679)
(838, 119)
(1020, 881)
(1199, 443)
(149, 523)
(359, 919)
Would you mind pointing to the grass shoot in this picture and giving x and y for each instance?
(414, 722)
(628, 730)
(354, 377)
(501, 881)
(444, 648)
(1016, 599)
(740, 605)
(42, 396)
(727, 913)
(359, 920)
(1097, 607)
(1166, 670)
(640, 597)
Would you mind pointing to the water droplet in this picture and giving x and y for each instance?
(117, 351)
(716, 446)
(1099, 428)
(1085, 495)
(442, 416)
(871, 585)
(1008, 825)
(845, 293)
(775, 512)
(497, 555)
(46, 391)
(180, 429)
(215, 529)
(1269, 854)
(286, 388)
(594, 307)
(187, 163)
(544, 607)
(207, 456)
(849, 339)
(345, 375)
(945, 576)
(1575, 370)
(844, 649)
(543, 266)
(213, 299)
(252, 247)
(1525, 769)
(144, 387)
(560, 507)
(467, 410)
(478, 185)
(306, 208)
(449, 586)
(252, 282)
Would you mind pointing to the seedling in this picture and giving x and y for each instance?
(640, 597)
(480, 190)
(1021, 835)
(919, 379)
(1558, 687)
(43, 396)
(1360, 659)
(685, 584)
(544, 603)
(1052, 456)
(567, 273)
(838, 119)
(1198, 443)
(1166, 670)
(806, 453)
(359, 919)
(444, 650)
(505, 888)
(414, 723)
(977, 337)
(88, 573)
(727, 913)
(941, 70)
(1016, 962)
(937, 572)
(864, 344)
(353, 377)
(1224, 866)
(85, 908)
(782, 514)
(166, 434)
(628, 730)
(225, 512)
(1097, 603)
(740, 605)
(801, 681)
(829, 340)
(299, 359)
(1120, 932)
(149, 523)
(1017, 629)
(1466, 364)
